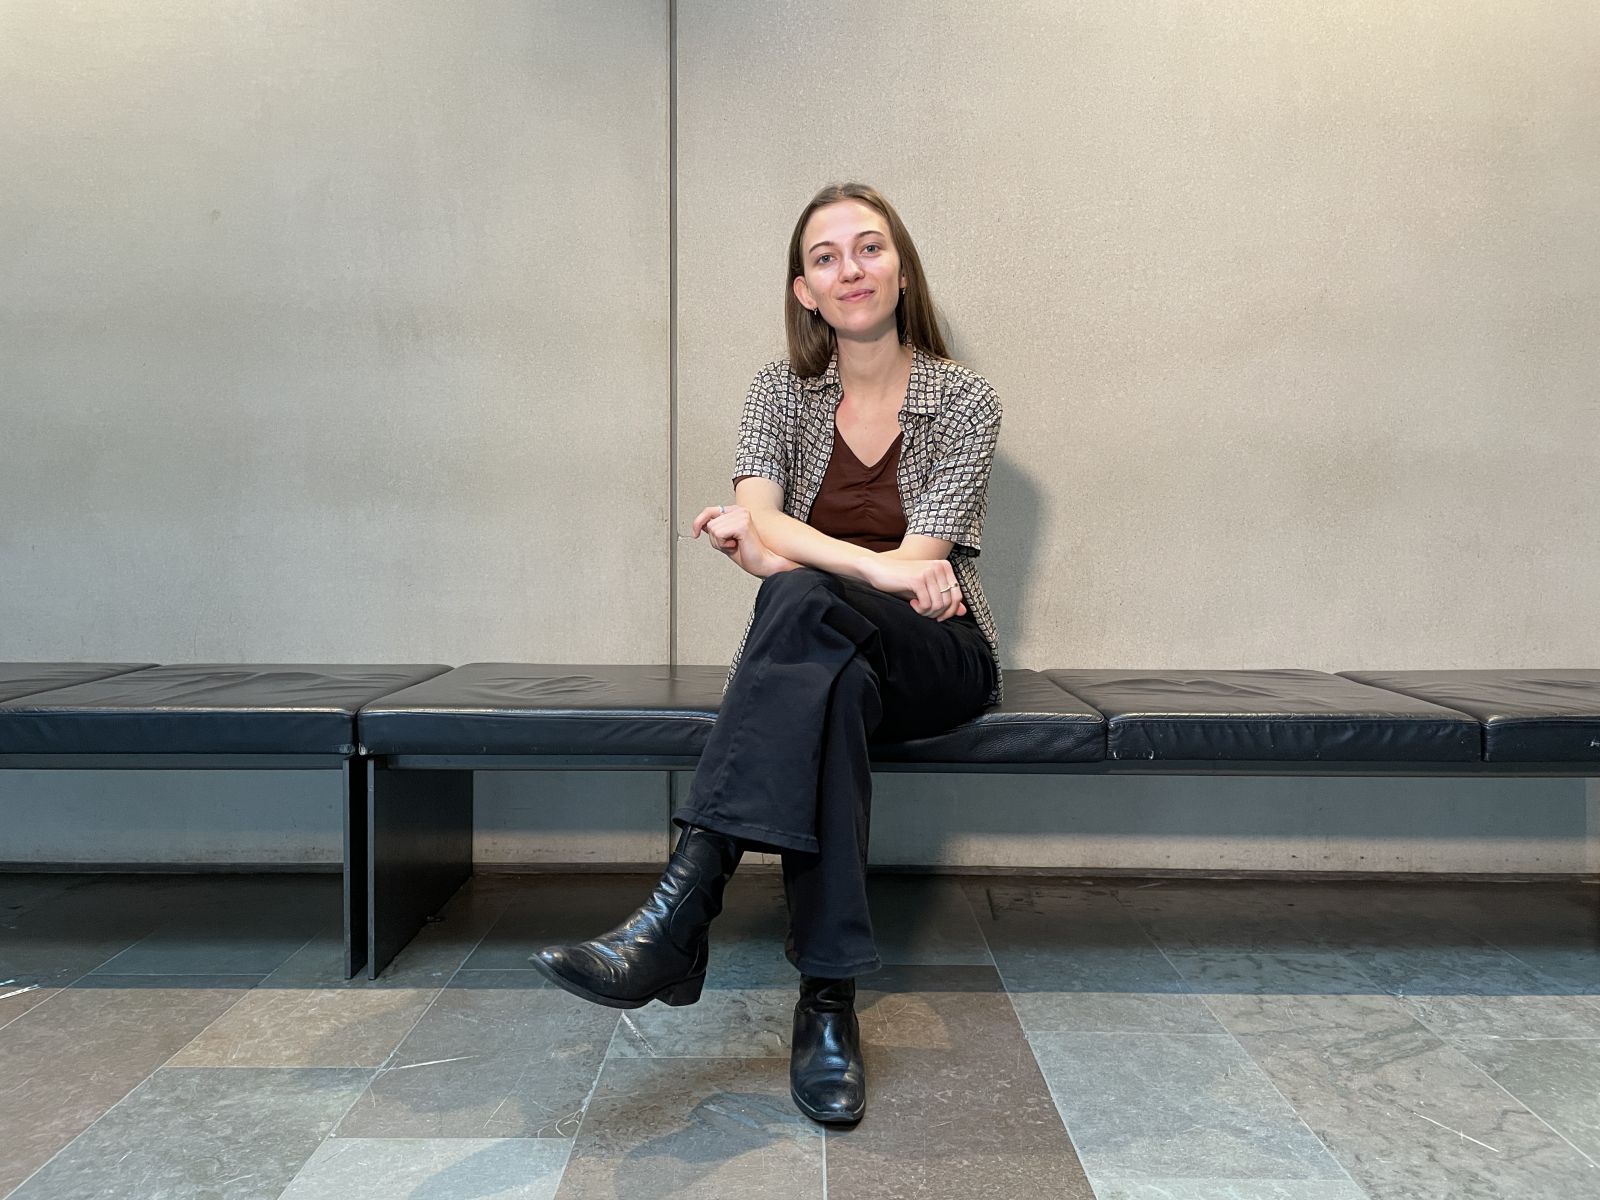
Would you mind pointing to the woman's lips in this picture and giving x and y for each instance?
(857, 296)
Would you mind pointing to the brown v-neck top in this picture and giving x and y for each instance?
(858, 503)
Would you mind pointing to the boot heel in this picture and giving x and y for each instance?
(685, 991)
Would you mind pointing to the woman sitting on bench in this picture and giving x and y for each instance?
(860, 488)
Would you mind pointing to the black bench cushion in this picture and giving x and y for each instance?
(540, 708)
(532, 708)
(1036, 722)
(1527, 715)
(26, 678)
(1271, 715)
(208, 708)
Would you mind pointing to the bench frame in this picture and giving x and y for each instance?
(419, 814)
(354, 788)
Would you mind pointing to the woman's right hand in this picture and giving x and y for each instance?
(731, 531)
(920, 580)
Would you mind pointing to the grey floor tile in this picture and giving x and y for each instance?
(69, 1060)
(52, 944)
(1226, 1189)
(1407, 1115)
(1507, 1016)
(17, 997)
(222, 940)
(1558, 1080)
(747, 940)
(309, 1027)
(694, 1128)
(23, 891)
(725, 1023)
(307, 1014)
(1271, 972)
(499, 1054)
(1221, 918)
(186, 1133)
(957, 1106)
(924, 919)
(1073, 959)
(1559, 940)
(432, 1169)
(1154, 1106)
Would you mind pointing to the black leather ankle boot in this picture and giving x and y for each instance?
(660, 952)
(827, 1076)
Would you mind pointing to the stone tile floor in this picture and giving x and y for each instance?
(191, 1036)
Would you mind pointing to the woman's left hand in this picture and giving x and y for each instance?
(732, 532)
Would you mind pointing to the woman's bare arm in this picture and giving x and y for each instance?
(932, 590)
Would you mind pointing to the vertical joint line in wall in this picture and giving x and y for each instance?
(672, 335)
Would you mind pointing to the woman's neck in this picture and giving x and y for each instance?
(873, 374)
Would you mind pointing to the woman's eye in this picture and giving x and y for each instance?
(871, 246)
(820, 257)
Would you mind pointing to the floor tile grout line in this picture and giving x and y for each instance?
(1066, 1129)
(1448, 1046)
(150, 1074)
(1443, 1039)
(332, 1125)
(1587, 997)
(1245, 1050)
(43, 1000)
(76, 979)
(244, 993)
(375, 1072)
(583, 1108)
(434, 999)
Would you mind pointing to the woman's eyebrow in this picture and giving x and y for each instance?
(862, 234)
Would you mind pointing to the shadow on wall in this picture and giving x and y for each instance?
(1011, 537)
(1011, 525)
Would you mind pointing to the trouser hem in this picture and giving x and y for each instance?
(822, 970)
(780, 839)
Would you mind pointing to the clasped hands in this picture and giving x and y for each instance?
(921, 581)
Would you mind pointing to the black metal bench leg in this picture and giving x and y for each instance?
(355, 865)
(419, 826)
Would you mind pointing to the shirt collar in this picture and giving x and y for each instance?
(922, 393)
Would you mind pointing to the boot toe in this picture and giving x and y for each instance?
(832, 1101)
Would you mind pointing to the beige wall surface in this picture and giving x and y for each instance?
(346, 333)
(330, 331)
(1294, 308)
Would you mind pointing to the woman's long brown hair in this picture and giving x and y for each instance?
(810, 338)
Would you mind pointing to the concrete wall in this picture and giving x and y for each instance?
(417, 332)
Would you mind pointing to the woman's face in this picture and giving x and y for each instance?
(851, 269)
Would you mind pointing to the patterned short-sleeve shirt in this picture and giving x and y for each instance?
(950, 423)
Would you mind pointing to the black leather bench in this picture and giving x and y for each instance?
(422, 744)
(406, 739)
(296, 717)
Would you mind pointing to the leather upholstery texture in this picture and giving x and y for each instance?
(527, 708)
(1526, 715)
(534, 708)
(1055, 716)
(1279, 715)
(25, 678)
(204, 708)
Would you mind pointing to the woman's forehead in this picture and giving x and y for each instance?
(846, 218)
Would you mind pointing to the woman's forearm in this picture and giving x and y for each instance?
(800, 543)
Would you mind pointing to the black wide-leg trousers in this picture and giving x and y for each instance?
(829, 666)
